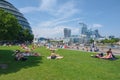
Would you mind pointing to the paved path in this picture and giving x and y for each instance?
(104, 49)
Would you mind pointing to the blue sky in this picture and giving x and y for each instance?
(48, 18)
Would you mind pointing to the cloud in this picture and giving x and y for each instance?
(44, 5)
(53, 23)
(66, 21)
(67, 9)
(97, 25)
(54, 28)
(53, 32)
(47, 5)
(53, 8)
(28, 9)
(48, 32)
(62, 13)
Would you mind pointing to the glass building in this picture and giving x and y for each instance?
(84, 28)
(5, 5)
(67, 32)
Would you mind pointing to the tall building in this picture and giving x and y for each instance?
(5, 5)
(88, 32)
(84, 29)
(67, 32)
(96, 33)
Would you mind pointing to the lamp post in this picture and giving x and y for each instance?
(93, 43)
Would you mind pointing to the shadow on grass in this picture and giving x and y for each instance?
(9, 65)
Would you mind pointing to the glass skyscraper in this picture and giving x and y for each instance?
(89, 32)
(5, 5)
(67, 32)
(84, 28)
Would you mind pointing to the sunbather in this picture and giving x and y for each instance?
(54, 56)
(30, 54)
(109, 55)
(19, 56)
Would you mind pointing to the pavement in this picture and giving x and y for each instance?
(116, 51)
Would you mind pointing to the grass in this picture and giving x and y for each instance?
(75, 65)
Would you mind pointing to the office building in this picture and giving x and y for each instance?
(67, 32)
(83, 28)
(88, 32)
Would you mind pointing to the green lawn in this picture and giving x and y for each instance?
(75, 65)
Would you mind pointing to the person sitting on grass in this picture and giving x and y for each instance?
(109, 55)
(54, 56)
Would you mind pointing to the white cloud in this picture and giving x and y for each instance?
(54, 27)
(67, 9)
(53, 8)
(47, 4)
(56, 22)
(97, 25)
(62, 12)
(66, 21)
(48, 32)
(44, 5)
(28, 9)
(53, 32)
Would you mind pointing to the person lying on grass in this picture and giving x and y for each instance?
(19, 56)
(54, 56)
(23, 55)
(27, 53)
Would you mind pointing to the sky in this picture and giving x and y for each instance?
(48, 18)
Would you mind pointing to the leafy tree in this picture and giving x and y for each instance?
(9, 26)
(91, 40)
(111, 41)
(27, 35)
(11, 30)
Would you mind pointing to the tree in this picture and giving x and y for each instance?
(9, 26)
(27, 36)
(111, 41)
(91, 40)
(11, 30)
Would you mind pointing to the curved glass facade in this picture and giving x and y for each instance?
(5, 5)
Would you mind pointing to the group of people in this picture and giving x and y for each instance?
(19, 56)
(109, 55)
(23, 55)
